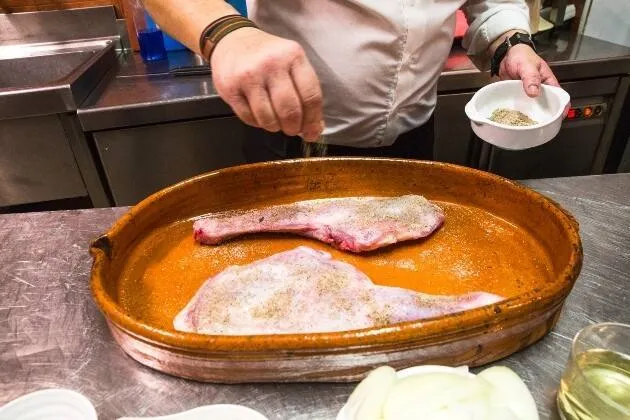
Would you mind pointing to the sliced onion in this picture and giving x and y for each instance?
(422, 369)
(438, 395)
(441, 393)
(510, 393)
(367, 400)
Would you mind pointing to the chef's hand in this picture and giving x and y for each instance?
(268, 82)
(522, 63)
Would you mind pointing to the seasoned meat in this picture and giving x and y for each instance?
(306, 291)
(353, 224)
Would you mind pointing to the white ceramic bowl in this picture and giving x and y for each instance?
(547, 110)
(208, 412)
(64, 404)
(49, 404)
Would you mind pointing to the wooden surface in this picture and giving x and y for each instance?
(131, 27)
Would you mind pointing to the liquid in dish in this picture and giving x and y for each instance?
(597, 387)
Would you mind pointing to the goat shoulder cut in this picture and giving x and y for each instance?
(307, 291)
(354, 224)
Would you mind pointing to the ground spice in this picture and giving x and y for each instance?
(276, 307)
(511, 117)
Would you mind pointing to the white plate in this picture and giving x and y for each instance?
(49, 404)
(64, 404)
(208, 412)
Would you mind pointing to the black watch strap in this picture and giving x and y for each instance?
(501, 51)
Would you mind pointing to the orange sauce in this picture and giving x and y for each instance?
(473, 251)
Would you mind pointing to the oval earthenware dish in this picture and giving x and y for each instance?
(498, 236)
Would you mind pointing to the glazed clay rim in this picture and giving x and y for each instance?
(447, 328)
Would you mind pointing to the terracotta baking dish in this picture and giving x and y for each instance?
(498, 236)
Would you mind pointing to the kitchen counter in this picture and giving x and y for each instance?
(52, 334)
(135, 94)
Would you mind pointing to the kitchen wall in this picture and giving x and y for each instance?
(608, 20)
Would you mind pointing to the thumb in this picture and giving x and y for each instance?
(530, 75)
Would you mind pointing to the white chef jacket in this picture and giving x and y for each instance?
(378, 61)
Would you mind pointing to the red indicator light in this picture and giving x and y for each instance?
(571, 113)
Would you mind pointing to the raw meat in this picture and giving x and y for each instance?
(352, 224)
(306, 291)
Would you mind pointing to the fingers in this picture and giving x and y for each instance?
(295, 98)
(549, 78)
(261, 108)
(529, 73)
(547, 75)
(240, 106)
(286, 102)
(308, 87)
(271, 85)
(248, 98)
(523, 63)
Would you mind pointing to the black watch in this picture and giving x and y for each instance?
(499, 54)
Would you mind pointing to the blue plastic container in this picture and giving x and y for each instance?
(170, 44)
(151, 44)
(239, 5)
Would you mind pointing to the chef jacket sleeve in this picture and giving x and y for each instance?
(489, 19)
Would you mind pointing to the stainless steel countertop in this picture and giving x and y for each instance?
(52, 334)
(136, 93)
(50, 61)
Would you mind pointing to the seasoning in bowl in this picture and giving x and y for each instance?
(511, 117)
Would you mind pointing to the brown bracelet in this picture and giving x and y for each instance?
(216, 30)
(210, 27)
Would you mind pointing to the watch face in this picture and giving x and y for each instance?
(521, 38)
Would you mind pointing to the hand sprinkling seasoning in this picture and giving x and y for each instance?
(511, 117)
